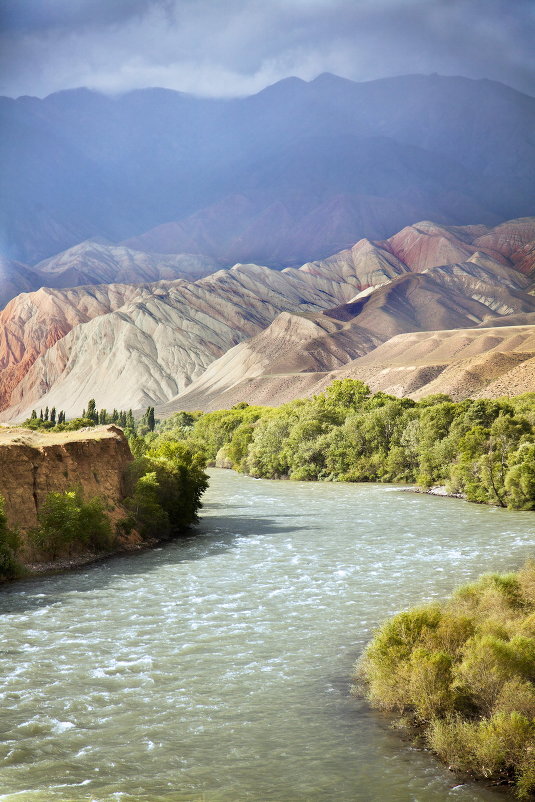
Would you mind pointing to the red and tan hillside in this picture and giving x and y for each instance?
(289, 355)
(478, 363)
(158, 340)
(152, 344)
(33, 322)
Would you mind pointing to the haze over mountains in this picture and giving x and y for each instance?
(93, 262)
(296, 172)
(126, 214)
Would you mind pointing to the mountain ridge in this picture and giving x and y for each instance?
(146, 344)
(128, 163)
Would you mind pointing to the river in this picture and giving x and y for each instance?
(217, 668)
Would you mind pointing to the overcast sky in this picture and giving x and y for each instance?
(236, 47)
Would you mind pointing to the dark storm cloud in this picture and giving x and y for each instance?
(42, 15)
(238, 46)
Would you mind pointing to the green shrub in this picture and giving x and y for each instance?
(517, 695)
(165, 488)
(495, 748)
(526, 582)
(487, 663)
(464, 672)
(430, 683)
(386, 665)
(67, 523)
(144, 505)
(9, 544)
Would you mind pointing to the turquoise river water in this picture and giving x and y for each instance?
(217, 668)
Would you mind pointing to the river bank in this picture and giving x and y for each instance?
(483, 449)
(438, 490)
(36, 569)
(71, 497)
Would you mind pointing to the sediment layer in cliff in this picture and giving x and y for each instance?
(34, 464)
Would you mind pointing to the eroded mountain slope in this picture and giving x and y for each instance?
(163, 336)
(33, 322)
(485, 362)
(295, 344)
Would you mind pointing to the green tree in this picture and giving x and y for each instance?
(58, 524)
(166, 485)
(144, 505)
(520, 478)
(91, 412)
(347, 393)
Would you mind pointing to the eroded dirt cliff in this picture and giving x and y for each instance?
(33, 464)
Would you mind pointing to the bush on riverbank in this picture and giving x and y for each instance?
(9, 543)
(165, 485)
(482, 448)
(463, 672)
(68, 524)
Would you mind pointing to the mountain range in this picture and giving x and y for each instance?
(296, 172)
(261, 335)
(181, 252)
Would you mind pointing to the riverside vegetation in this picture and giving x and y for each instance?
(463, 673)
(484, 449)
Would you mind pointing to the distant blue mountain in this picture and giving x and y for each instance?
(293, 173)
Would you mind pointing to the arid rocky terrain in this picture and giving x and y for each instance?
(396, 313)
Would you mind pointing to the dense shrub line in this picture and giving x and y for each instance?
(482, 448)
(464, 672)
(165, 485)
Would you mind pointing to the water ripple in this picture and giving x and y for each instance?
(216, 669)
